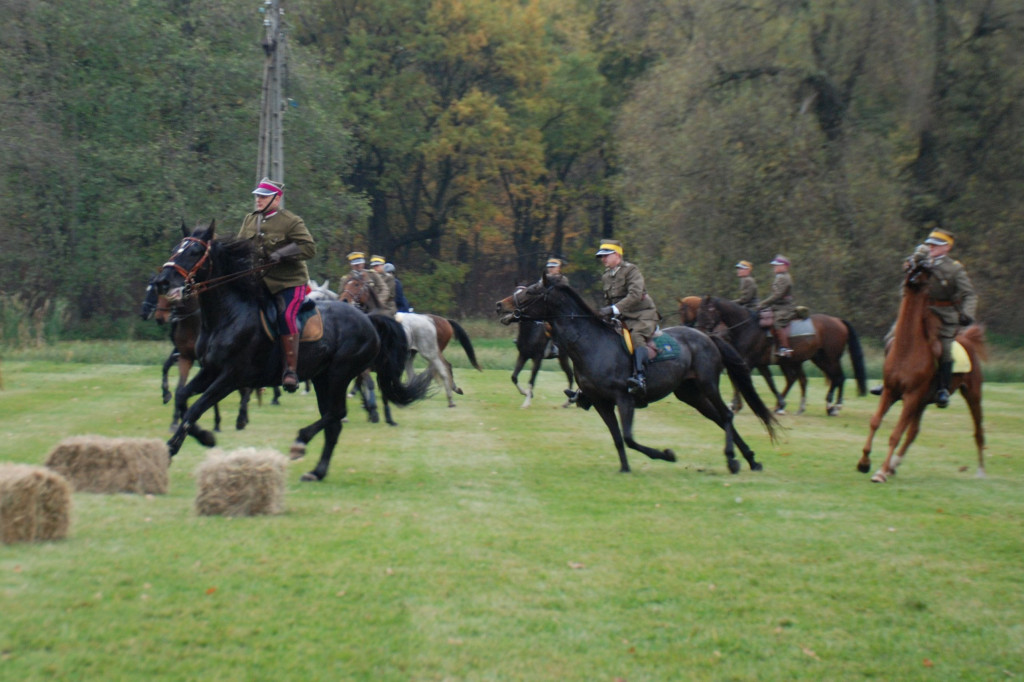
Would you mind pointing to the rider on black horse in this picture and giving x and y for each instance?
(281, 238)
(626, 297)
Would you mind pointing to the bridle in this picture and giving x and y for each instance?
(728, 328)
(519, 311)
(191, 286)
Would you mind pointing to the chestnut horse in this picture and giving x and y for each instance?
(825, 348)
(910, 373)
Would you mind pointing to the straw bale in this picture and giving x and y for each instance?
(96, 464)
(243, 482)
(35, 504)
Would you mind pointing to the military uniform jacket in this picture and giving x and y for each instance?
(951, 293)
(748, 294)
(624, 288)
(269, 235)
(388, 299)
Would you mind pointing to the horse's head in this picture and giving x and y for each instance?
(357, 291)
(189, 263)
(688, 309)
(541, 299)
(321, 292)
(150, 302)
(708, 315)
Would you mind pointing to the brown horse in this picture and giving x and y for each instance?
(824, 345)
(428, 335)
(910, 374)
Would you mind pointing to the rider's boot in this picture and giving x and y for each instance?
(290, 353)
(782, 339)
(945, 379)
(637, 384)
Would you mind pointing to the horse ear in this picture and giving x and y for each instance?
(184, 230)
(208, 234)
(324, 285)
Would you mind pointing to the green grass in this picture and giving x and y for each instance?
(487, 542)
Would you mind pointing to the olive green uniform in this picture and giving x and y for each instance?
(748, 294)
(952, 295)
(624, 288)
(270, 234)
(780, 300)
(387, 299)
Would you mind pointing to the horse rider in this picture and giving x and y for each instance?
(626, 297)
(554, 269)
(401, 302)
(920, 254)
(357, 261)
(281, 238)
(952, 299)
(387, 293)
(780, 300)
(748, 287)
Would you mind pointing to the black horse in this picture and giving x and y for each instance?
(532, 342)
(603, 365)
(236, 352)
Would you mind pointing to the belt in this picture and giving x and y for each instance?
(941, 304)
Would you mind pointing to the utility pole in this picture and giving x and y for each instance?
(270, 162)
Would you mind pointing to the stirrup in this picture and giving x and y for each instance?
(636, 385)
(784, 352)
(290, 381)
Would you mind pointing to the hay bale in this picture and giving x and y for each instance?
(244, 482)
(35, 504)
(95, 464)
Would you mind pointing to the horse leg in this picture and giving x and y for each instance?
(164, 387)
(211, 391)
(701, 399)
(626, 410)
(972, 394)
(533, 382)
(864, 465)
(365, 383)
(607, 412)
(216, 417)
(277, 396)
(451, 373)
(563, 361)
(243, 409)
(520, 361)
(802, 378)
(331, 401)
(438, 367)
(184, 368)
(906, 429)
(766, 372)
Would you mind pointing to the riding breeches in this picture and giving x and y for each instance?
(288, 303)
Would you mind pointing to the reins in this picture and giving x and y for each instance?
(193, 288)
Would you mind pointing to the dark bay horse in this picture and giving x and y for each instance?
(910, 370)
(532, 342)
(428, 335)
(183, 318)
(235, 351)
(825, 348)
(603, 365)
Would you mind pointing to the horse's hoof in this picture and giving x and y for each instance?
(734, 466)
(310, 476)
(451, 404)
(668, 455)
(207, 438)
(780, 410)
(833, 411)
(167, 398)
(392, 423)
(374, 417)
(297, 451)
(863, 468)
(879, 477)
(756, 466)
(458, 390)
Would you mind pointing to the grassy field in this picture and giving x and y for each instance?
(487, 542)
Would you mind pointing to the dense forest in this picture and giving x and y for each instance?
(467, 140)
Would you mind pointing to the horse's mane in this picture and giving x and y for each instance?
(561, 285)
(233, 254)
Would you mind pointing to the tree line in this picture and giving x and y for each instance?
(469, 140)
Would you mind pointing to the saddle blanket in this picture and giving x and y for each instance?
(961, 360)
(665, 346)
(800, 327)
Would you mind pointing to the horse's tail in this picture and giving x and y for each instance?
(975, 338)
(739, 373)
(857, 358)
(466, 344)
(390, 364)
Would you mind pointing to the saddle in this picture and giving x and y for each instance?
(661, 346)
(311, 324)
